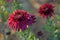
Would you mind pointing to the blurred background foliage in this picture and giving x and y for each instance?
(50, 33)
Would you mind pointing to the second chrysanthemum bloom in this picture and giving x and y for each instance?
(46, 10)
(20, 19)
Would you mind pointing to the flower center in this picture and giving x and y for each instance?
(19, 17)
(46, 11)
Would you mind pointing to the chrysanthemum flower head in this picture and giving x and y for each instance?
(39, 33)
(46, 10)
(20, 19)
(8, 0)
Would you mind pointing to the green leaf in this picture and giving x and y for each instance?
(58, 17)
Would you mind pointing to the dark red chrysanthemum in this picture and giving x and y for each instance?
(39, 33)
(19, 19)
(8, 0)
(46, 10)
